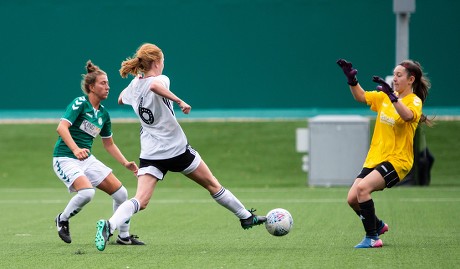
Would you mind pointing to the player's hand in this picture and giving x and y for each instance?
(349, 71)
(132, 166)
(384, 87)
(184, 107)
(81, 154)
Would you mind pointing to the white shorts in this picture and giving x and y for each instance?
(68, 169)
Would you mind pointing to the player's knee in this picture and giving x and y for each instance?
(352, 197)
(363, 190)
(86, 194)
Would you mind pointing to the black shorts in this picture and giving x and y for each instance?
(185, 163)
(387, 171)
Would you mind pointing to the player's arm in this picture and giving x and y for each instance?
(358, 93)
(356, 90)
(113, 150)
(404, 112)
(120, 98)
(64, 133)
(158, 88)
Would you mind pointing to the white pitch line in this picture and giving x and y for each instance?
(262, 201)
(416, 200)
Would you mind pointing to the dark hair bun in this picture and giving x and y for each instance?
(90, 67)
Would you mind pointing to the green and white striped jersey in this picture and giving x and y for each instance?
(86, 123)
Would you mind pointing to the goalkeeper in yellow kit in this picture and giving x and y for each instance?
(391, 153)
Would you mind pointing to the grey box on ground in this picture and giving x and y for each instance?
(338, 146)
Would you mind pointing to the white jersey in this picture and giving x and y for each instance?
(161, 135)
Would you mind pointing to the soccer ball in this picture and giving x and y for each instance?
(279, 222)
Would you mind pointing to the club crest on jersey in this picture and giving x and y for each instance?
(90, 128)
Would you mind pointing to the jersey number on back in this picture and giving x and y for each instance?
(145, 114)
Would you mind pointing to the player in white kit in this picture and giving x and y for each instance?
(164, 146)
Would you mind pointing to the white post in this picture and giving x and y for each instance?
(402, 9)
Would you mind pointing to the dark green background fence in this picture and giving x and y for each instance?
(223, 54)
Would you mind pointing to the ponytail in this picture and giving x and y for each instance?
(141, 61)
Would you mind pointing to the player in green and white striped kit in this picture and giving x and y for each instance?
(84, 119)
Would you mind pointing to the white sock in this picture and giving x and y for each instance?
(119, 197)
(77, 202)
(124, 212)
(225, 198)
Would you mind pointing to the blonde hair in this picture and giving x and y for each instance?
(141, 61)
(92, 72)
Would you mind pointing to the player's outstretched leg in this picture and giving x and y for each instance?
(63, 229)
(102, 234)
(253, 220)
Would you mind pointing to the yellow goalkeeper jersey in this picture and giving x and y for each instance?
(393, 137)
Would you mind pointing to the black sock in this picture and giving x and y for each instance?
(368, 217)
(377, 220)
(358, 212)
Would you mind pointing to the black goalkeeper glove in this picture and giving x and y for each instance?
(349, 71)
(384, 87)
